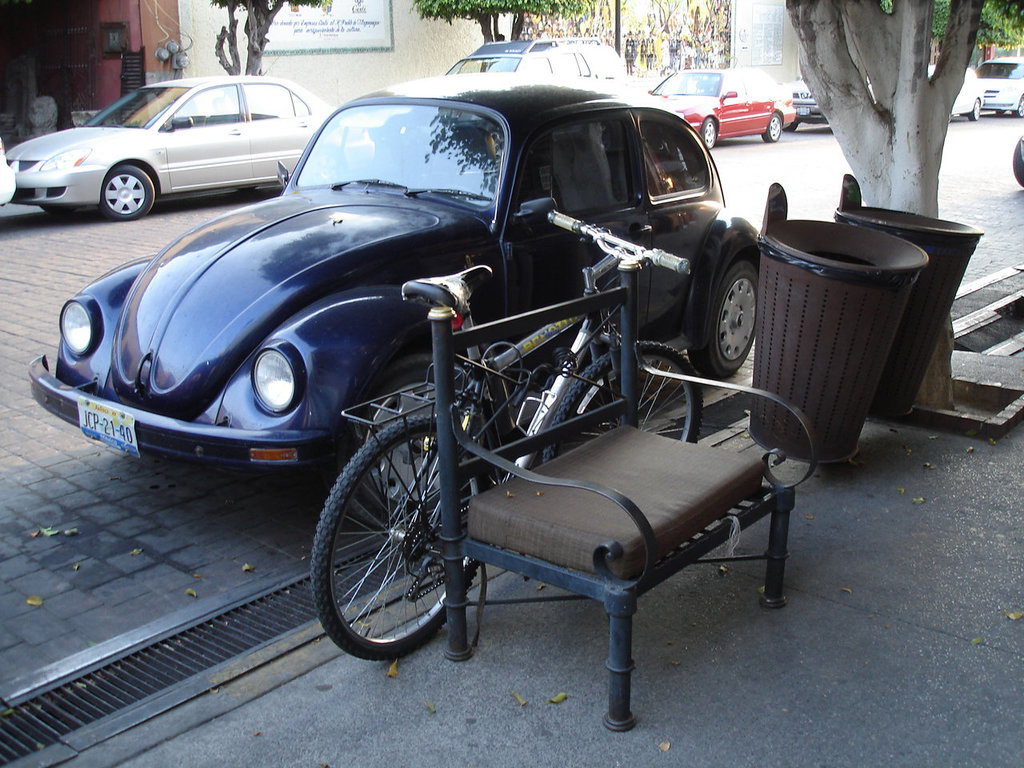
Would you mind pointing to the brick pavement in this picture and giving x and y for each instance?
(184, 521)
(147, 529)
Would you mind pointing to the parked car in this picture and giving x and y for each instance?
(806, 106)
(728, 102)
(6, 178)
(1003, 83)
(240, 343)
(969, 100)
(169, 137)
(561, 57)
(1018, 162)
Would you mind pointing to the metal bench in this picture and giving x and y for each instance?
(607, 519)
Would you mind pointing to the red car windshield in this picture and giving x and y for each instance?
(691, 84)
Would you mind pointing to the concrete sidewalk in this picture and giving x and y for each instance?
(897, 648)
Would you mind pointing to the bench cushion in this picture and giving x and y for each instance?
(681, 488)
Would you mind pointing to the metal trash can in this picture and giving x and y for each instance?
(831, 297)
(949, 247)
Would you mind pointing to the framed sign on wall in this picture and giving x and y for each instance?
(336, 26)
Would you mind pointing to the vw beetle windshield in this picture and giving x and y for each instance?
(420, 149)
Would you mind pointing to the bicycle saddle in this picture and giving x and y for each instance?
(448, 291)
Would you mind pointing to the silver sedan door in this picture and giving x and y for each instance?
(280, 127)
(207, 141)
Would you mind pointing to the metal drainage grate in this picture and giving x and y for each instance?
(140, 680)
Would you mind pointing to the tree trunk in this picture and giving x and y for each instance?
(517, 26)
(868, 70)
(257, 24)
(229, 35)
(488, 26)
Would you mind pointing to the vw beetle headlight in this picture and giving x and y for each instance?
(275, 379)
(78, 327)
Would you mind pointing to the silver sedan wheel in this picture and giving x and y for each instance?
(128, 193)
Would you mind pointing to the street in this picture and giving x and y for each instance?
(111, 543)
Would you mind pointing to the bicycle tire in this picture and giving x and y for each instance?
(376, 574)
(665, 406)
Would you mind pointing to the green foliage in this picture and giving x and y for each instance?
(1002, 24)
(448, 10)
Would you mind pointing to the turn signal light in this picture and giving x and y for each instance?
(274, 454)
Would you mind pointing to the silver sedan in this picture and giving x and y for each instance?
(168, 138)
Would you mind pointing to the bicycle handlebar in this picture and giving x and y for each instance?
(613, 245)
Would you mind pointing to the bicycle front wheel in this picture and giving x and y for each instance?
(666, 406)
(376, 573)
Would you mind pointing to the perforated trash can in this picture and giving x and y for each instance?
(831, 299)
(949, 247)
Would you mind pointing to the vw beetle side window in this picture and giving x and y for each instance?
(584, 166)
(674, 159)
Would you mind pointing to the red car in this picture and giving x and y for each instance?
(721, 103)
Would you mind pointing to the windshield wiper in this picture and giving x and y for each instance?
(450, 192)
(369, 182)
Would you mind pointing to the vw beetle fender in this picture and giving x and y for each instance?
(728, 239)
(342, 343)
(104, 299)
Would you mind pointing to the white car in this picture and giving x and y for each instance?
(1003, 83)
(970, 99)
(175, 136)
(561, 57)
(6, 178)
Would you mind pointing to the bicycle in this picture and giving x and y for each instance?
(376, 572)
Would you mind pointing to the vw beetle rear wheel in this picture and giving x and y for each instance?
(733, 314)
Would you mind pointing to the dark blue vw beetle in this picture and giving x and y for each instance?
(241, 342)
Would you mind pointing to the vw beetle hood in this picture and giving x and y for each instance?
(204, 304)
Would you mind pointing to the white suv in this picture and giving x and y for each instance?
(563, 57)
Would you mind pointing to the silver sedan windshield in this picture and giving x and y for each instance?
(419, 149)
(137, 109)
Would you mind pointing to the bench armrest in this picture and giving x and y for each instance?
(774, 456)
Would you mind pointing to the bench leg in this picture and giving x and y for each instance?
(455, 602)
(620, 608)
(778, 552)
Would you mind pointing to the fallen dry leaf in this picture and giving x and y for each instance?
(665, 746)
(248, 568)
(393, 669)
(135, 552)
(518, 698)
(191, 592)
(1013, 615)
(34, 600)
(558, 698)
(430, 707)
